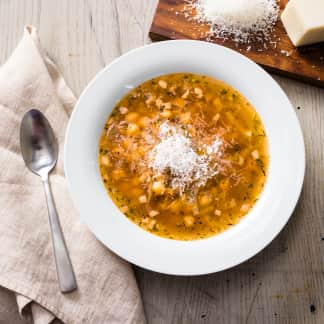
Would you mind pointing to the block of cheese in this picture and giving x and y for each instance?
(304, 21)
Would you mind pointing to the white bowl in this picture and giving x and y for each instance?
(256, 230)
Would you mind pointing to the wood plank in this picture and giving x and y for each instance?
(172, 21)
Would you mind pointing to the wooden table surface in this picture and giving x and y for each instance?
(282, 284)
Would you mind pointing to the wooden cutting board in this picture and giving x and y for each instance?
(305, 63)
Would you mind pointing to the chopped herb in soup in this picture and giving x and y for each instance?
(184, 156)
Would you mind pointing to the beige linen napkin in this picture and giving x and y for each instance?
(107, 290)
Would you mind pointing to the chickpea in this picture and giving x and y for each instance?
(216, 118)
(123, 110)
(245, 208)
(255, 154)
(179, 102)
(145, 220)
(158, 102)
(167, 105)
(144, 177)
(232, 203)
(185, 117)
(151, 224)
(186, 94)
(118, 173)
(131, 117)
(163, 84)
(230, 98)
(165, 113)
(173, 90)
(105, 160)
(142, 199)
(153, 213)
(189, 221)
(241, 160)
(132, 129)
(144, 121)
(124, 209)
(198, 92)
(158, 187)
(195, 210)
(149, 100)
(217, 103)
(205, 200)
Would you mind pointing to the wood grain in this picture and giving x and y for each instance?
(277, 286)
(172, 21)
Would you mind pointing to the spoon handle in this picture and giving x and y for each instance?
(64, 268)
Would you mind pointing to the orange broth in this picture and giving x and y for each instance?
(215, 125)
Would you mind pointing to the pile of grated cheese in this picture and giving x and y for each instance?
(175, 154)
(243, 21)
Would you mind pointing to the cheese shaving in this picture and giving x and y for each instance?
(175, 154)
(243, 21)
(214, 147)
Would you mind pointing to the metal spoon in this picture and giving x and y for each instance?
(40, 150)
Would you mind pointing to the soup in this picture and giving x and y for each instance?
(184, 156)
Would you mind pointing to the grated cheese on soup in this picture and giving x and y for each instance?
(175, 154)
(184, 156)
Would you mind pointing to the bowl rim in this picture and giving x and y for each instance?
(292, 203)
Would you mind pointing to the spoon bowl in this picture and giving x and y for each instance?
(38, 144)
